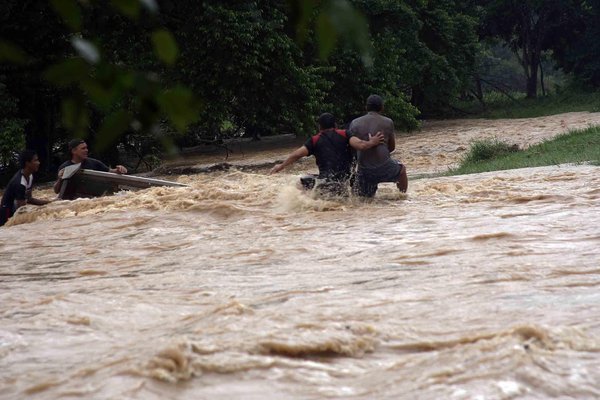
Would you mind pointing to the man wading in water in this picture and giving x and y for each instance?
(331, 148)
(19, 189)
(375, 165)
(78, 149)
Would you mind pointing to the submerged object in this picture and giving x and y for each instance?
(78, 182)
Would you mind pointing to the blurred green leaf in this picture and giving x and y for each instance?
(180, 106)
(70, 12)
(67, 72)
(113, 126)
(75, 116)
(165, 46)
(352, 25)
(130, 8)
(150, 5)
(301, 14)
(326, 35)
(86, 49)
(100, 95)
(11, 53)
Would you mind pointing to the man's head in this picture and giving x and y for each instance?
(326, 121)
(78, 149)
(374, 103)
(28, 159)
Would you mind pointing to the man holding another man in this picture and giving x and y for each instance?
(332, 150)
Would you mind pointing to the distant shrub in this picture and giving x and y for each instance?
(12, 141)
(487, 149)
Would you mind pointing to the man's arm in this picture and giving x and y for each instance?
(119, 169)
(392, 139)
(20, 196)
(38, 202)
(392, 142)
(292, 158)
(58, 182)
(362, 145)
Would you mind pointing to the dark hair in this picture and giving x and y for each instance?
(326, 121)
(74, 143)
(26, 156)
(374, 103)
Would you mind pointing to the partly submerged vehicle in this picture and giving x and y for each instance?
(78, 182)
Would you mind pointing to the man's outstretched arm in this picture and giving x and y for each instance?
(292, 158)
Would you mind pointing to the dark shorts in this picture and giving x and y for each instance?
(367, 179)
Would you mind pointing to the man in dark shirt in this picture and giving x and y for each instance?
(331, 148)
(375, 165)
(18, 192)
(79, 154)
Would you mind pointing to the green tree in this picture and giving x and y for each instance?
(423, 57)
(529, 27)
(31, 38)
(579, 52)
(248, 71)
(12, 132)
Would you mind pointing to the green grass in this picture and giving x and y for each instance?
(500, 106)
(578, 146)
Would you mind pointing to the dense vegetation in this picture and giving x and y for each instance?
(138, 77)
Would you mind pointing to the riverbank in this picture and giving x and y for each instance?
(437, 147)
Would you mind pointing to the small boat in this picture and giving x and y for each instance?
(78, 182)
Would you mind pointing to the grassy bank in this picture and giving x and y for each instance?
(577, 146)
(498, 105)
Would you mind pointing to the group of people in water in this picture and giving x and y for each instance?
(371, 136)
(18, 192)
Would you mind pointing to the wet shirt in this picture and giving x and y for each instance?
(372, 123)
(19, 188)
(332, 153)
(88, 163)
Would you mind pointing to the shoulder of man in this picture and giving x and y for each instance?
(311, 142)
(65, 164)
(97, 165)
(16, 179)
(388, 120)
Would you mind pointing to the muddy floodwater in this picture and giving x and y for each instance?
(483, 286)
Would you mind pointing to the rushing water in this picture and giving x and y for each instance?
(471, 287)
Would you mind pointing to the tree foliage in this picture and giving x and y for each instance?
(530, 27)
(580, 52)
(143, 75)
(12, 132)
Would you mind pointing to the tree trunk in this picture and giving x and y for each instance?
(532, 80)
(479, 91)
(530, 61)
(542, 80)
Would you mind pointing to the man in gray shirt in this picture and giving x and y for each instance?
(375, 165)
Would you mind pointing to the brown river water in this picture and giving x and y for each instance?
(481, 286)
